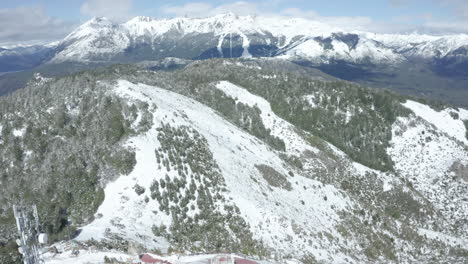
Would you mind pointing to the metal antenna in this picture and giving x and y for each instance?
(27, 221)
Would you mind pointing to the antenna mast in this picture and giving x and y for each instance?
(27, 221)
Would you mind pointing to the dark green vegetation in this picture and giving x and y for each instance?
(240, 114)
(195, 196)
(355, 119)
(59, 143)
(273, 177)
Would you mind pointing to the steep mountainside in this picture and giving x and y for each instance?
(236, 156)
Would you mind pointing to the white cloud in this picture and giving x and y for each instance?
(115, 9)
(30, 25)
(437, 26)
(431, 23)
(203, 9)
(343, 22)
(296, 12)
(459, 7)
(190, 9)
(402, 24)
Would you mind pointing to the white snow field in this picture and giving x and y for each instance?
(365, 48)
(273, 213)
(442, 120)
(282, 219)
(427, 147)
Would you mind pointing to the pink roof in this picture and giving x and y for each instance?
(149, 259)
(244, 261)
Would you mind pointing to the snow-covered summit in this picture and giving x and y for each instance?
(231, 23)
(101, 39)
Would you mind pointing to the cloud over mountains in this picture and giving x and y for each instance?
(32, 24)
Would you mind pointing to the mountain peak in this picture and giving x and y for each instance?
(138, 19)
(97, 21)
(90, 27)
(228, 15)
(294, 38)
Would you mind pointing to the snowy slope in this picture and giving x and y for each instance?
(443, 120)
(98, 39)
(274, 214)
(429, 149)
(332, 207)
(366, 49)
(420, 45)
(283, 219)
(279, 127)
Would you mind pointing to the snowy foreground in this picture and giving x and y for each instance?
(93, 256)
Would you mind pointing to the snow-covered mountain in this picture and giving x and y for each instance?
(241, 156)
(416, 64)
(300, 39)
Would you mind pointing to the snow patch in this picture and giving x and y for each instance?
(276, 216)
(19, 132)
(426, 157)
(442, 120)
(278, 126)
(245, 46)
(444, 238)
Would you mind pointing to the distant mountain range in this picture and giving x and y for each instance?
(412, 63)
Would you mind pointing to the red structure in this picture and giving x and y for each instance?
(145, 258)
(244, 261)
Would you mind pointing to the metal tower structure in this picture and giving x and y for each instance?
(27, 221)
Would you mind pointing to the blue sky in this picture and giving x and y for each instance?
(377, 10)
(45, 20)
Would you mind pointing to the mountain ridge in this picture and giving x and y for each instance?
(231, 155)
(285, 30)
(416, 64)
(414, 45)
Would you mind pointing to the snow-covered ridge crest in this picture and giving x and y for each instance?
(100, 39)
(231, 23)
(365, 48)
